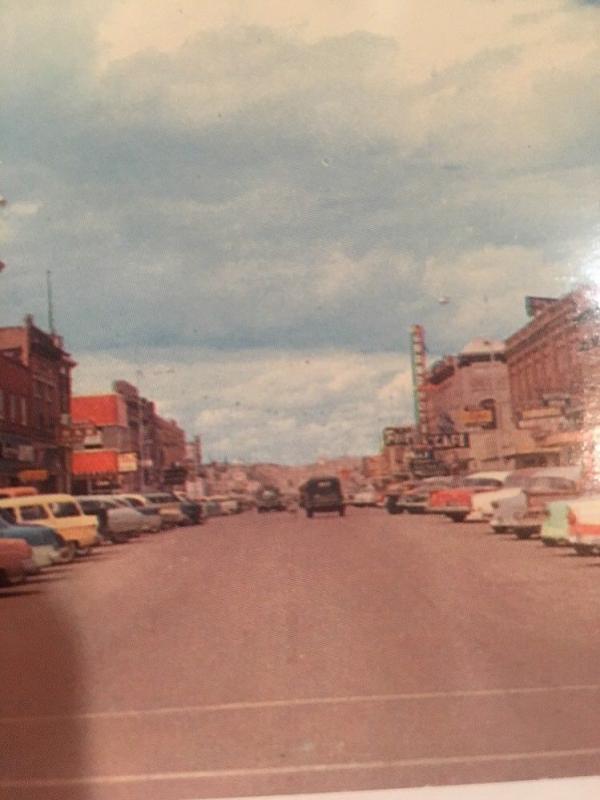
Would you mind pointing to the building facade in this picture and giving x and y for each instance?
(35, 380)
(548, 363)
(104, 456)
(469, 394)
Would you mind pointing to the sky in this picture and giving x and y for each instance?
(251, 202)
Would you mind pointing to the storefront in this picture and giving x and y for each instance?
(99, 471)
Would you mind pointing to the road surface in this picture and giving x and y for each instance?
(266, 654)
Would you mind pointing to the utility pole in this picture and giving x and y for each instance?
(50, 303)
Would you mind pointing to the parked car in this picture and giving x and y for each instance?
(269, 499)
(416, 500)
(394, 494)
(366, 497)
(322, 494)
(45, 544)
(455, 502)
(212, 507)
(524, 512)
(229, 505)
(170, 508)
(555, 526)
(17, 491)
(117, 522)
(77, 532)
(191, 508)
(153, 520)
(583, 517)
(16, 560)
(483, 504)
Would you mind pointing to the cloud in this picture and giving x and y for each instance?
(235, 177)
(267, 405)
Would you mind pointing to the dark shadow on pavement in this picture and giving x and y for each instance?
(42, 740)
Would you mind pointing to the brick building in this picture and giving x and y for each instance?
(548, 360)
(469, 393)
(104, 455)
(170, 447)
(121, 442)
(35, 382)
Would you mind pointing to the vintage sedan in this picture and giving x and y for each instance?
(170, 508)
(117, 522)
(524, 514)
(456, 502)
(45, 544)
(484, 504)
(16, 561)
(153, 520)
(555, 527)
(583, 517)
(416, 500)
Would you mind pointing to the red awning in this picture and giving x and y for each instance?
(95, 462)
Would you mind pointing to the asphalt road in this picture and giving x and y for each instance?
(271, 654)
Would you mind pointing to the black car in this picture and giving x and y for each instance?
(322, 494)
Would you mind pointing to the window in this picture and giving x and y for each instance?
(64, 509)
(13, 407)
(1, 404)
(24, 414)
(9, 515)
(30, 513)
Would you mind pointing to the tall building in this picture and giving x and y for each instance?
(469, 394)
(104, 457)
(35, 384)
(548, 365)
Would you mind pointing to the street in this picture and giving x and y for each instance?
(269, 653)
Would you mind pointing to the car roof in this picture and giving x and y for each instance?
(33, 499)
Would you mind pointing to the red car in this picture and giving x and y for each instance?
(16, 558)
(456, 503)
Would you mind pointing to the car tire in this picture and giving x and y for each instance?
(309, 513)
(550, 542)
(523, 535)
(342, 511)
(458, 517)
(68, 552)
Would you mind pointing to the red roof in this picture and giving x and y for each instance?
(95, 462)
(99, 409)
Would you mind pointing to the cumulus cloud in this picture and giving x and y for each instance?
(306, 178)
(267, 405)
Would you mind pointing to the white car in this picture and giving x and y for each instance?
(485, 504)
(153, 521)
(524, 513)
(365, 497)
(116, 521)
